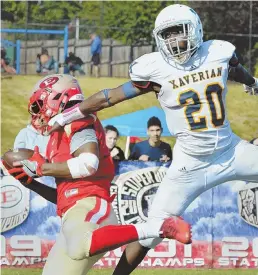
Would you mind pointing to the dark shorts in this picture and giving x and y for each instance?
(95, 59)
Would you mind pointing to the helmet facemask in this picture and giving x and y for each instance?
(39, 115)
(177, 42)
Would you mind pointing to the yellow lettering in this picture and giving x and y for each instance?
(186, 78)
(173, 83)
(194, 78)
(201, 76)
(219, 71)
(181, 82)
(213, 73)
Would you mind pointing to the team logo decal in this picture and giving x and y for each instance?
(14, 203)
(248, 203)
(49, 82)
(135, 192)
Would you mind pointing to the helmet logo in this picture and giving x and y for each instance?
(48, 82)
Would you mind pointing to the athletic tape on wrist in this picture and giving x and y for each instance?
(72, 115)
(129, 90)
(105, 92)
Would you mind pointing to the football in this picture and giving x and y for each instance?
(16, 155)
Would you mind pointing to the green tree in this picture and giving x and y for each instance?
(131, 21)
(42, 12)
(228, 20)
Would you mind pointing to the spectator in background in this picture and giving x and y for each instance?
(73, 63)
(5, 63)
(96, 45)
(112, 136)
(254, 141)
(152, 149)
(46, 63)
(133, 141)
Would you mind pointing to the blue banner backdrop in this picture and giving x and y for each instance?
(224, 222)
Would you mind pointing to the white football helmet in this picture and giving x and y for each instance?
(188, 37)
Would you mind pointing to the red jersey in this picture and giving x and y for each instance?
(71, 190)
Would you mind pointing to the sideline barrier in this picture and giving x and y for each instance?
(63, 32)
(7, 44)
(224, 220)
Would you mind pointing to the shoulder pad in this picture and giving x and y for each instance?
(145, 68)
(79, 124)
(223, 49)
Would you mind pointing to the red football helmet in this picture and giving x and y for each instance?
(51, 96)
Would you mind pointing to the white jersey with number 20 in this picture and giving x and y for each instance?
(192, 95)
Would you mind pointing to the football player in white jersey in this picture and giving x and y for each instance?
(189, 77)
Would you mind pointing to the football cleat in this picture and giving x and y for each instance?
(176, 228)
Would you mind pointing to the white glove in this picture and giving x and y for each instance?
(67, 117)
(30, 168)
(58, 118)
(253, 89)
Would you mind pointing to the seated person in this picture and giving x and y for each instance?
(152, 149)
(73, 63)
(5, 63)
(112, 135)
(46, 63)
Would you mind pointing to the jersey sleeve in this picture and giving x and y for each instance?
(82, 137)
(20, 140)
(145, 68)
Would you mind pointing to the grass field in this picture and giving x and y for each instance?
(142, 272)
(242, 109)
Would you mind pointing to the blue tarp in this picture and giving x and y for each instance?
(135, 124)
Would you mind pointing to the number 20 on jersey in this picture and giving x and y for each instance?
(190, 100)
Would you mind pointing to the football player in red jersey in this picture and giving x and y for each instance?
(83, 168)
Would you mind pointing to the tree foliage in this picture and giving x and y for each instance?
(220, 19)
(133, 21)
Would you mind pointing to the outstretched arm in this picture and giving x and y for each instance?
(110, 97)
(104, 99)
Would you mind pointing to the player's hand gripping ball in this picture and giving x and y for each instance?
(24, 163)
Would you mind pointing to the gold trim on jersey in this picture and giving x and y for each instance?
(217, 106)
(190, 101)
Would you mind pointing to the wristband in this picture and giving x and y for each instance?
(71, 114)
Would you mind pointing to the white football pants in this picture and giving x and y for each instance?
(189, 176)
